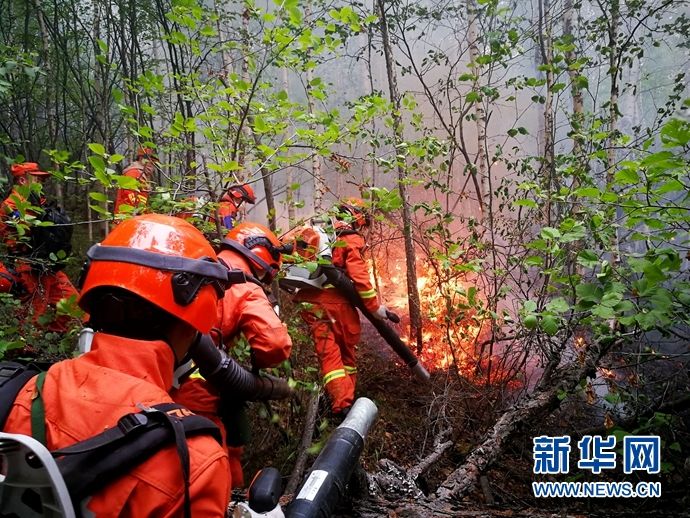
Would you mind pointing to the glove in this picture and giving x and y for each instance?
(384, 313)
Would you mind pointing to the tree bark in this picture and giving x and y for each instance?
(320, 188)
(578, 107)
(480, 167)
(410, 255)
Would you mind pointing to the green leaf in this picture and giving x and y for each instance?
(534, 260)
(627, 177)
(550, 233)
(525, 203)
(98, 196)
(611, 299)
(97, 148)
(530, 321)
(653, 273)
(529, 306)
(588, 292)
(550, 325)
(588, 259)
(558, 305)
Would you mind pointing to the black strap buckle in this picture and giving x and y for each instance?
(130, 422)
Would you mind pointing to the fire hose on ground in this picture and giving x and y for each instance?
(342, 282)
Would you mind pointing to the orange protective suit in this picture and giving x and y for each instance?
(84, 396)
(227, 212)
(334, 322)
(244, 309)
(136, 198)
(40, 288)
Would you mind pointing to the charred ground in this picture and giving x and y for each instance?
(417, 419)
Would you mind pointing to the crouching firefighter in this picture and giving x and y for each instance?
(36, 272)
(124, 448)
(251, 253)
(331, 316)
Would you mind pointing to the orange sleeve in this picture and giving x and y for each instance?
(358, 270)
(246, 309)
(210, 491)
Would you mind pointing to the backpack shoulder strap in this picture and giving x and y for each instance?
(13, 376)
(90, 465)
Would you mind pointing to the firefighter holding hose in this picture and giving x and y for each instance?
(251, 252)
(332, 318)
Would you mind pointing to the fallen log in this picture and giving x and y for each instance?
(534, 406)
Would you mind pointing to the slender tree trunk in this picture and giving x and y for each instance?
(480, 167)
(614, 21)
(410, 256)
(265, 173)
(320, 188)
(100, 104)
(578, 108)
(289, 173)
(546, 54)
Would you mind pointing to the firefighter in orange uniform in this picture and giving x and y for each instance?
(37, 279)
(252, 249)
(332, 319)
(136, 290)
(141, 170)
(232, 201)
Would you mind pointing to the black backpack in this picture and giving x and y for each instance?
(90, 465)
(51, 239)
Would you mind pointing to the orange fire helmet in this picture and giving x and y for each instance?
(146, 153)
(259, 245)
(27, 168)
(162, 259)
(240, 193)
(357, 210)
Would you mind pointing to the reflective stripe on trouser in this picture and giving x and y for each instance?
(370, 294)
(335, 330)
(352, 373)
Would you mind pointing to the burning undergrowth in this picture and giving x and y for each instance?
(456, 324)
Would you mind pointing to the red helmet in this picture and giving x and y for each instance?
(239, 193)
(162, 259)
(146, 153)
(355, 210)
(27, 168)
(259, 245)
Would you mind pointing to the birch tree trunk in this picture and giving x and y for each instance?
(410, 256)
(247, 128)
(289, 173)
(614, 59)
(546, 50)
(578, 107)
(319, 181)
(480, 167)
(51, 103)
